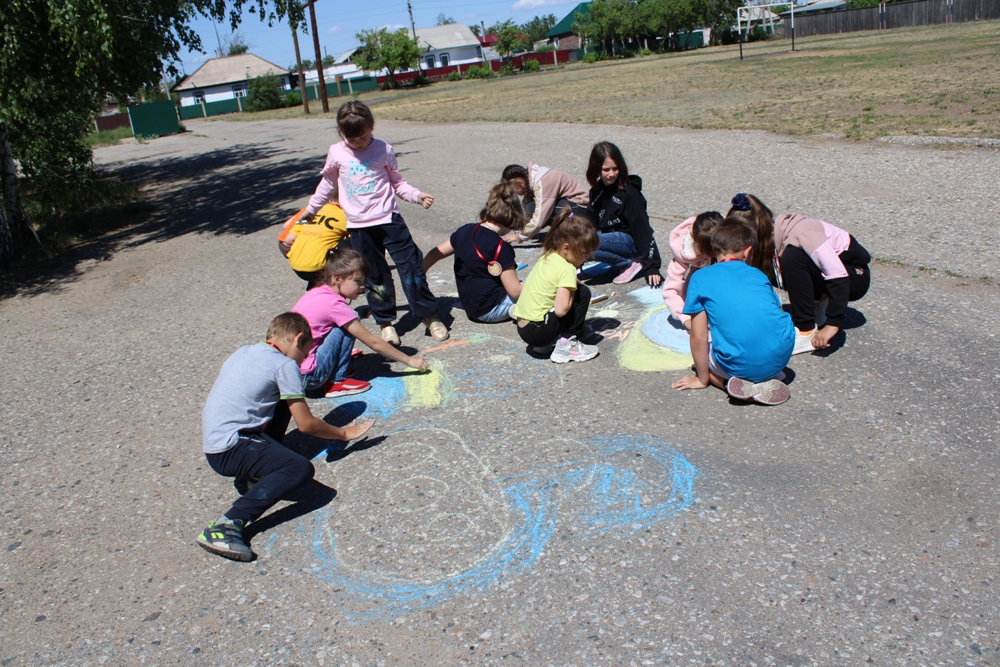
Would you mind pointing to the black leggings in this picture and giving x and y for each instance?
(805, 284)
(550, 329)
(261, 455)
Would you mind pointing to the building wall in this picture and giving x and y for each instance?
(568, 42)
(219, 93)
(460, 55)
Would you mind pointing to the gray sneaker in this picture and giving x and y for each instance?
(226, 540)
(571, 349)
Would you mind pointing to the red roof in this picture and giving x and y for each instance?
(488, 40)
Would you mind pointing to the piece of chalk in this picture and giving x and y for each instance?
(522, 266)
(598, 297)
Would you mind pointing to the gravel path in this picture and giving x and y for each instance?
(506, 510)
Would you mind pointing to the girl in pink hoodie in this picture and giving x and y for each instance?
(691, 243)
(820, 266)
(364, 171)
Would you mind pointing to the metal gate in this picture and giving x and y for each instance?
(155, 119)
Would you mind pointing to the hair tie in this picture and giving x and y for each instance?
(741, 202)
(570, 214)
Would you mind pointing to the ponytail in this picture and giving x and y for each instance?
(753, 212)
(574, 228)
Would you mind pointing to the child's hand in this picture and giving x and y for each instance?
(689, 382)
(425, 199)
(822, 337)
(654, 279)
(356, 430)
(418, 362)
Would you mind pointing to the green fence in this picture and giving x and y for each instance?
(154, 120)
(358, 85)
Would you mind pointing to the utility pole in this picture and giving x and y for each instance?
(302, 75)
(319, 57)
(413, 27)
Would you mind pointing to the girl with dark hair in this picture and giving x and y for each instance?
(543, 192)
(822, 268)
(485, 266)
(619, 209)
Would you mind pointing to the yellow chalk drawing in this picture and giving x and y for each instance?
(638, 353)
(427, 390)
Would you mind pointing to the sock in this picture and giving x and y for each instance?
(806, 333)
(563, 340)
(226, 519)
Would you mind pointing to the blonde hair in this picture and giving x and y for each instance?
(574, 229)
(287, 326)
(504, 208)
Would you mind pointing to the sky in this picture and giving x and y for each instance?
(338, 21)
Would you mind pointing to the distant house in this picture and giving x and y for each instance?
(451, 44)
(561, 35)
(226, 79)
(816, 8)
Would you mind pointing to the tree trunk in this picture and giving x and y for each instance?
(6, 243)
(17, 223)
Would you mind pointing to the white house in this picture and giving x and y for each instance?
(451, 44)
(226, 79)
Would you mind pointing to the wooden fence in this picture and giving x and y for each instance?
(898, 15)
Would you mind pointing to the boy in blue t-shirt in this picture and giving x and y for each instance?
(752, 337)
(258, 390)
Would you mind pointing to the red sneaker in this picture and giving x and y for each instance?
(355, 353)
(346, 388)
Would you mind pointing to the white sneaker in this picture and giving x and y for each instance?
(390, 336)
(821, 311)
(570, 349)
(804, 342)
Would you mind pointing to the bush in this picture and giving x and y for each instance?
(532, 66)
(645, 52)
(293, 98)
(477, 72)
(264, 94)
(454, 76)
(420, 80)
(590, 57)
(545, 48)
(507, 69)
(758, 34)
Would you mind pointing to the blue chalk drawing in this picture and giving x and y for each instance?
(599, 492)
(383, 400)
(648, 297)
(664, 330)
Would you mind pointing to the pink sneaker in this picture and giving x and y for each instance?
(628, 274)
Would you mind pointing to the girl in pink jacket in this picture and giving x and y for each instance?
(820, 266)
(691, 244)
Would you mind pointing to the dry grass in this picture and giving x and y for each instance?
(939, 80)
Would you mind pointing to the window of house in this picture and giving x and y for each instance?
(479, 52)
(240, 90)
(199, 97)
(555, 43)
(445, 59)
(430, 62)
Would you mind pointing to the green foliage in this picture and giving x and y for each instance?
(477, 72)
(858, 4)
(328, 61)
(391, 51)
(236, 45)
(532, 65)
(420, 80)
(758, 34)
(609, 22)
(778, 9)
(108, 137)
(590, 57)
(507, 68)
(536, 28)
(510, 38)
(454, 76)
(444, 20)
(293, 98)
(307, 64)
(476, 30)
(264, 94)
(545, 48)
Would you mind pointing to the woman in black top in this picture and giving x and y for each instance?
(627, 241)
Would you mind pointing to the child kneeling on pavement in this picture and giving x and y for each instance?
(752, 337)
(258, 390)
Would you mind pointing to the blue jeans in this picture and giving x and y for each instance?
(617, 249)
(332, 357)
(498, 314)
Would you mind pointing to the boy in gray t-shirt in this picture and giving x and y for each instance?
(258, 390)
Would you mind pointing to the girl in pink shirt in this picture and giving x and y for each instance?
(368, 177)
(335, 327)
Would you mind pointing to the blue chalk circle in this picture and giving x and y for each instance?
(620, 483)
(661, 328)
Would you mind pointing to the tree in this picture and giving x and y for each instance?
(608, 20)
(666, 18)
(328, 61)
(235, 45)
(476, 30)
(264, 94)
(509, 38)
(536, 28)
(444, 20)
(60, 60)
(391, 51)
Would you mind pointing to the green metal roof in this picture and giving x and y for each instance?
(565, 27)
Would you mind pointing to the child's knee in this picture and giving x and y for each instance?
(303, 470)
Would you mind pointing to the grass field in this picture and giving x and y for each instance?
(939, 80)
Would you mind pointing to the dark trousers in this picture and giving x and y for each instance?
(262, 456)
(372, 243)
(550, 329)
(804, 282)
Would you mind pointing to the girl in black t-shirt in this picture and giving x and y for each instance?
(485, 267)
